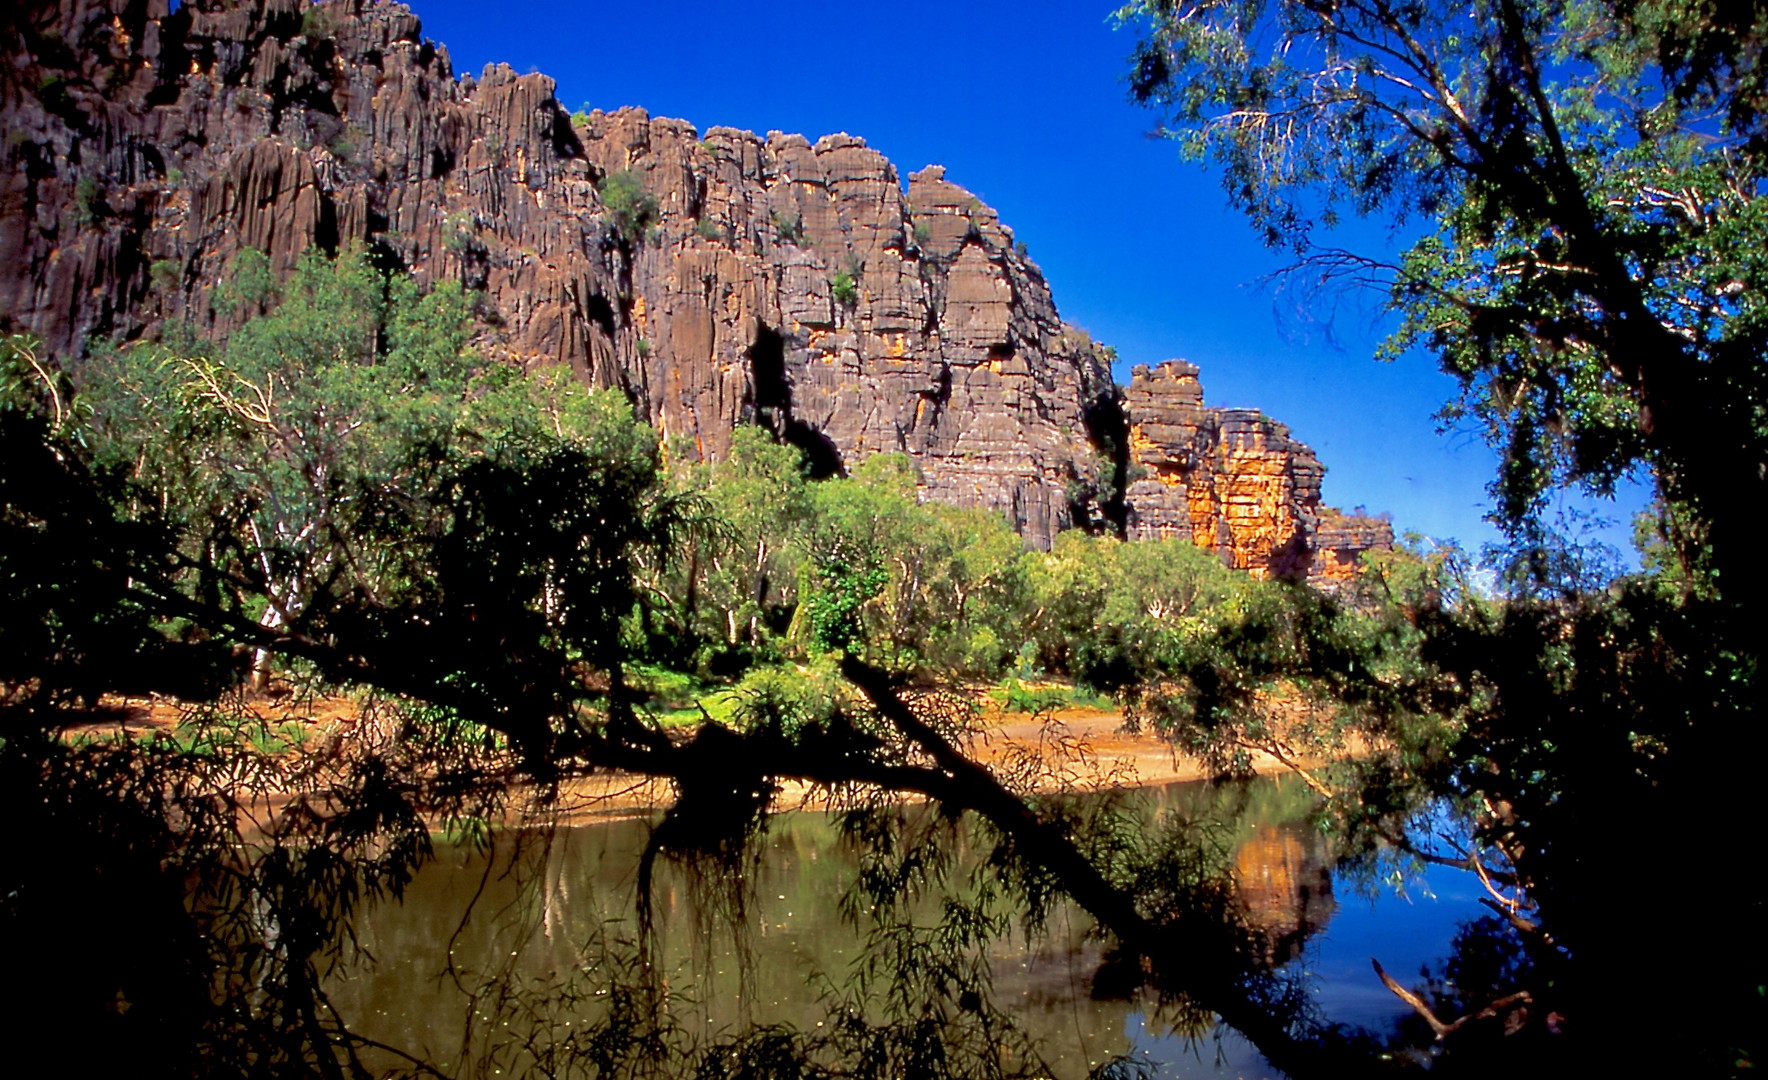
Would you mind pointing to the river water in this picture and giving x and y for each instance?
(532, 931)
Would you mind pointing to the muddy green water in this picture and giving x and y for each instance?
(484, 940)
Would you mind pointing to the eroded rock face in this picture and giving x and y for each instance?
(782, 282)
(1235, 481)
(1340, 541)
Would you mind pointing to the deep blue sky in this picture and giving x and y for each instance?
(1025, 105)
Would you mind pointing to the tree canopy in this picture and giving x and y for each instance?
(1582, 182)
(1582, 189)
(501, 571)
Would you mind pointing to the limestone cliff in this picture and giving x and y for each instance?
(780, 282)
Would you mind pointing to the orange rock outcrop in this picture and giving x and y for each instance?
(151, 147)
(1235, 481)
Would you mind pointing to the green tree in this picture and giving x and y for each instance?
(71, 624)
(631, 210)
(974, 591)
(506, 575)
(856, 527)
(845, 289)
(1586, 177)
(1105, 609)
(907, 584)
(742, 560)
(312, 416)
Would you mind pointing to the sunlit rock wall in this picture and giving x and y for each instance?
(146, 149)
(1235, 481)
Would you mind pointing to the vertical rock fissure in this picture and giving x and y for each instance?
(773, 407)
(1108, 430)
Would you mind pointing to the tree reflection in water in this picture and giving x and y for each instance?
(810, 941)
(244, 871)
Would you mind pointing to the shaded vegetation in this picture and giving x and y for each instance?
(631, 210)
(1585, 180)
(519, 588)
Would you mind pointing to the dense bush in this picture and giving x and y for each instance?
(631, 211)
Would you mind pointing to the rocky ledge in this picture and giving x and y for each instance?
(737, 279)
(1235, 481)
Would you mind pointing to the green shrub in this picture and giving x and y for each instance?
(52, 91)
(644, 348)
(1085, 697)
(629, 208)
(1016, 697)
(347, 143)
(791, 227)
(317, 24)
(165, 274)
(923, 232)
(665, 689)
(708, 229)
(1019, 697)
(89, 204)
(789, 697)
(844, 289)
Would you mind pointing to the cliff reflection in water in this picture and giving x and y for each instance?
(539, 929)
(1284, 877)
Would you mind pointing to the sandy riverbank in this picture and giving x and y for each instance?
(1078, 750)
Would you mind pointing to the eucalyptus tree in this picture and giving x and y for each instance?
(502, 573)
(1582, 186)
(741, 565)
(284, 444)
(1582, 181)
(910, 584)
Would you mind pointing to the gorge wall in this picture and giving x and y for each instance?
(1233, 480)
(782, 282)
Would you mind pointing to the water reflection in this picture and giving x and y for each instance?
(1284, 876)
(554, 913)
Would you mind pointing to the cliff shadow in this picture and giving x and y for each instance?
(773, 407)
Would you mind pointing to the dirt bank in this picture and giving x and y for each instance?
(1078, 750)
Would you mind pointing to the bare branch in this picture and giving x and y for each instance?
(1443, 1031)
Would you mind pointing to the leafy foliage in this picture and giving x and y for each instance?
(1587, 180)
(345, 493)
(844, 289)
(631, 210)
(1584, 181)
(790, 226)
(317, 415)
